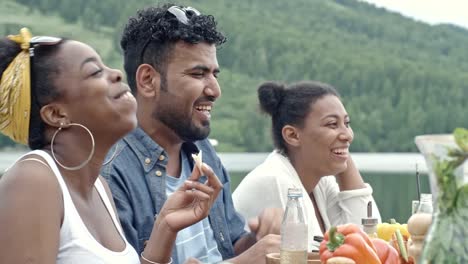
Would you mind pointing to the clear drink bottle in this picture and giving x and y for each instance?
(294, 230)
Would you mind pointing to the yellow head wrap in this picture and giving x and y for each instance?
(15, 92)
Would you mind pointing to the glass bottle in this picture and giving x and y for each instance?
(294, 230)
(418, 225)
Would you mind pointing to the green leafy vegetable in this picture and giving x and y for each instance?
(446, 241)
(461, 138)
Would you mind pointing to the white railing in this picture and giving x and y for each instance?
(244, 162)
(366, 162)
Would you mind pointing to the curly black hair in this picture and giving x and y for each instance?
(150, 36)
(44, 69)
(290, 105)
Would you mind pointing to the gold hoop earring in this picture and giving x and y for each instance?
(90, 154)
(111, 158)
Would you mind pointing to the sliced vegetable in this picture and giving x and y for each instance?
(400, 245)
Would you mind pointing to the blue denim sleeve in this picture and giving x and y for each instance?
(122, 204)
(234, 220)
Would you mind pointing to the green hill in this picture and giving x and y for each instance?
(14, 16)
(398, 77)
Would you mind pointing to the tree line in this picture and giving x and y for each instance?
(398, 78)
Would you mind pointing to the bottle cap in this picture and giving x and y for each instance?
(294, 192)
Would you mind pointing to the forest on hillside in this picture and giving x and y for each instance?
(398, 78)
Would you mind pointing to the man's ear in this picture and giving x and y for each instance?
(291, 135)
(54, 115)
(148, 81)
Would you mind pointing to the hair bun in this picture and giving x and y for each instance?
(270, 95)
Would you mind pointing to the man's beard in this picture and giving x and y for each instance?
(181, 124)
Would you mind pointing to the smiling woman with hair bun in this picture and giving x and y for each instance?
(312, 135)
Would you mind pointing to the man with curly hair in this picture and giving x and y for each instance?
(172, 69)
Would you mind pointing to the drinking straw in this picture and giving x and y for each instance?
(418, 185)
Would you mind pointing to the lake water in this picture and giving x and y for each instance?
(391, 175)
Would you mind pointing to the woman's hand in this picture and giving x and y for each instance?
(192, 201)
(350, 179)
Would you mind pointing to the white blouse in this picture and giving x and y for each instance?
(267, 186)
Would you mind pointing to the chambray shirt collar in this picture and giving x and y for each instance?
(149, 152)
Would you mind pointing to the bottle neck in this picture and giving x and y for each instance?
(294, 211)
(425, 204)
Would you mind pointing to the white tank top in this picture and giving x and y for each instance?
(77, 245)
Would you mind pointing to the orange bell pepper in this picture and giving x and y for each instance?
(387, 254)
(348, 241)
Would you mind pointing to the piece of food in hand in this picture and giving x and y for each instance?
(198, 160)
(348, 241)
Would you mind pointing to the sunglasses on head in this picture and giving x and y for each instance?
(183, 15)
(34, 43)
(42, 41)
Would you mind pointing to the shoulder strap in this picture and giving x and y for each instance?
(34, 159)
(107, 203)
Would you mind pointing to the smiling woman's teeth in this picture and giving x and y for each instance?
(340, 151)
(125, 95)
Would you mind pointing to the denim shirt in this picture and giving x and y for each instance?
(136, 173)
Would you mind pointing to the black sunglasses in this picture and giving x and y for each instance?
(183, 15)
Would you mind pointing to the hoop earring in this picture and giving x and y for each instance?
(90, 154)
(111, 158)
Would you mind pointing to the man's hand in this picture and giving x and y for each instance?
(268, 222)
(257, 253)
(192, 201)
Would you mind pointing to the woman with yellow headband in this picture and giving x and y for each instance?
(58, 97)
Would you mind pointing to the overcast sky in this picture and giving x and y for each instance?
(429, 11)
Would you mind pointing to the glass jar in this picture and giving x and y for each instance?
(446, 158)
